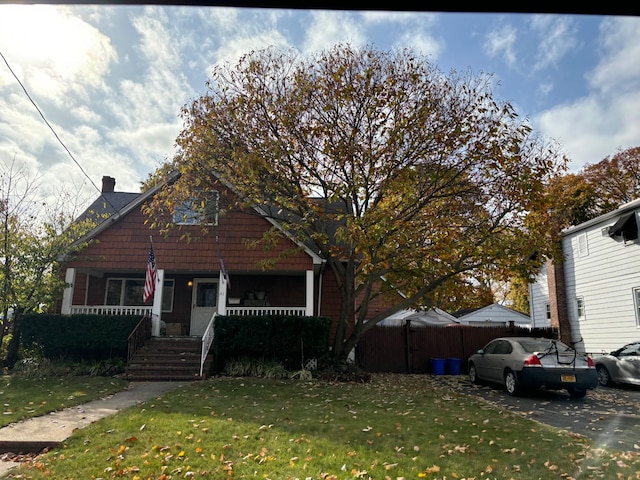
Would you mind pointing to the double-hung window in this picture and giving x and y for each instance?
(580, 309)
(636, 301)
(201, 209)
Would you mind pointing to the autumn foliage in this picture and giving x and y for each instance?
(406, 180)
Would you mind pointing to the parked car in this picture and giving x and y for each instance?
(521, 363)
(620, 366)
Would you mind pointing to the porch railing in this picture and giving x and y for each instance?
(110, 310)
(207, 340)
(137, 337)
(298, 311)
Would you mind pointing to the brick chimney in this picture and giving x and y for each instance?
(108, 184)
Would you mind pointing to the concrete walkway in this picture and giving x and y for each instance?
(35, 434)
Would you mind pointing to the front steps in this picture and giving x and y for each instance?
(166, 359)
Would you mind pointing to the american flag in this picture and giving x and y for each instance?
(150, 279)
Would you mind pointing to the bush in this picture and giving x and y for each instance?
(40, 367)
(333, 371)
(249, 367)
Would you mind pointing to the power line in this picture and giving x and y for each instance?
(54, 132)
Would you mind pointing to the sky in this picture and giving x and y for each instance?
(109, 81)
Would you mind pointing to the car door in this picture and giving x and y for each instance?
(628, 364)
(499, 360)
(492, 361)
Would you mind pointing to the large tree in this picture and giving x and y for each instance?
(425, 179)
(615, 180)
(34, 236)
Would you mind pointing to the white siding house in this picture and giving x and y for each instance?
(495, 315)
(601, 281)
(539, 307)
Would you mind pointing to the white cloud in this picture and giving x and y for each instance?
(53, 52)
(593, 128)
(404, 18)
(608, 118)
(501, 43)
(329, 28)
(422, 43)
(558, 37)
(619, 68)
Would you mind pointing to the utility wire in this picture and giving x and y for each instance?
(55, 134)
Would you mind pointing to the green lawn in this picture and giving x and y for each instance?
(396, 427)
(22, 397)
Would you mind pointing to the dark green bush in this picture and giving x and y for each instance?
(290, 340)
(76, 337)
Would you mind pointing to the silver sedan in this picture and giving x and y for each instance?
(521, 363)
(620, 366)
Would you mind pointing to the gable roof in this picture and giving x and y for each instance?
(111, 206)
(617, 214)
(433, 316)
(492, 313)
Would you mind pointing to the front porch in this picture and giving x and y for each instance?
(186, 302)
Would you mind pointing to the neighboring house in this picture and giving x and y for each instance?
(494, 315)
(593, 297)
(432, 317)
(108, 276)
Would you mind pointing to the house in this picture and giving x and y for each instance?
(593, 297)
(213, 273)
(494, 315)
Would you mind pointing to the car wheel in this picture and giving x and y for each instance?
(604, 377)
(577, 393)
(511, 383)
(473, 374)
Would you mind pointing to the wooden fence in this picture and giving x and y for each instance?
(409, 349)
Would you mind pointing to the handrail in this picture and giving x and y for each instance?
(242, 310)
(110, 309)
(140, 333)
(207, 340)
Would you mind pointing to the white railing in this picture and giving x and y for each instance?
(299, 311)
(207, 340)
(110, 310)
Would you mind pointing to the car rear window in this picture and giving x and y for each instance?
(541, 345)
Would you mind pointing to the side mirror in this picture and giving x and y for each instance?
(481, 352)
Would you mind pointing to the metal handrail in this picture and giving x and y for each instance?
(207, 340)
(138, 336)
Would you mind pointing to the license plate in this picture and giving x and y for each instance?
(568, 378)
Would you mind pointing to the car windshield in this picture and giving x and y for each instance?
(541, 345)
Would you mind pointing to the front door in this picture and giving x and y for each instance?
(204, 304)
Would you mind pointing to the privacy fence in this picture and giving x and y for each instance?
(409, 348)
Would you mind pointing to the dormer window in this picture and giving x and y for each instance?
(199, 210)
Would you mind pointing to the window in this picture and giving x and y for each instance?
(200, 210)
(548, 310)
(580, 308)
(129, 291)
(583, 247)
(636, 299)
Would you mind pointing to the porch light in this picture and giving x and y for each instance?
(190, 283)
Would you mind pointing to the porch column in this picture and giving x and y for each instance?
(309, 293)
(67, 295)
(156, 310)
(222, 293)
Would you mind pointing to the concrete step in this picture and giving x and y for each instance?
(166, 358)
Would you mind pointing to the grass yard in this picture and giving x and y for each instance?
(25, 397)
(396, 427)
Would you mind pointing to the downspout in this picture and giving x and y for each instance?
(323, 265)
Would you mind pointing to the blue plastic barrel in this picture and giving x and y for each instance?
(438, 364)
(454, 366)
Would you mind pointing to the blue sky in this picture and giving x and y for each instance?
(111, 80)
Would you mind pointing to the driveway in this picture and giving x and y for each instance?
(609, 416)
